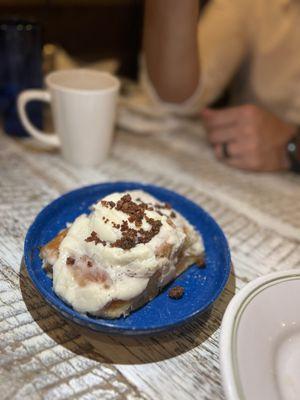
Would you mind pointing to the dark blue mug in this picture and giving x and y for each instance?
(20, 69)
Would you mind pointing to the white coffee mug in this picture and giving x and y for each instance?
(83, 104)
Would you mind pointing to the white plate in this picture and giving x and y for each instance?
(260, 340)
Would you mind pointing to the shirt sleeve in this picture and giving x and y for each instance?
(223, 44)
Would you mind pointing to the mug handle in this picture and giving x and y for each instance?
(23, 99)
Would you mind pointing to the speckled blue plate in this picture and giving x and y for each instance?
(202, 285)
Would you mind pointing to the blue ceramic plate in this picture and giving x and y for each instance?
(202, 285)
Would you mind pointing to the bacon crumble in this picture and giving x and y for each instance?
(136, 213)
(176, 292)
(165, 206)
(94, 238)
(70, 261)
(108, 204)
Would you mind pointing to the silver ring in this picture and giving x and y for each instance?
(225, 153)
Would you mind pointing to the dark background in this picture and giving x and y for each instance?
(89, 30)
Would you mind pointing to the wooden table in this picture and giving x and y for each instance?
(44, 357)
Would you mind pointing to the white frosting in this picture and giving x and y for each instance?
(126, 272)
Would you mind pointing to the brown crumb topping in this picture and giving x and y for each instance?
(136, 213)
(124, 243)
(146, 236)
(176, 292)
(131, 237)
(70, 261)
(95, 238)
(108, 204)
(165, 206)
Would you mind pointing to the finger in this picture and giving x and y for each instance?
(233, 149)
(220, 117)
(218, 151)
(239, 157)
(237, 162)
(227, 134)
(245, 163)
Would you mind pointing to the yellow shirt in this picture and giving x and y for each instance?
(255, 44)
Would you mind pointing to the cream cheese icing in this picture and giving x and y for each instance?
(93, 269)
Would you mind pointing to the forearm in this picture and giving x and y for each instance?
(170, 47)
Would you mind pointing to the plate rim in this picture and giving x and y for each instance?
(230, 324)
(66, 310)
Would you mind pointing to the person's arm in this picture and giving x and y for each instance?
(171, 48)
(183, 52)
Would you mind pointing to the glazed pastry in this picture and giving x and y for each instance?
(121, 255)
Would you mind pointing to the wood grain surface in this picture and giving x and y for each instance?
(45, 357)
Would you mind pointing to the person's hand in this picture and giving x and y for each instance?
(255, 139)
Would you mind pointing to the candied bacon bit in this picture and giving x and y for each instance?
(136, 213)
(131, 234)
(94, 238)
(108, 204)
(163, 206)
(124, 226)
(70, 261)
(124, 200)
(124, 243)
(131, 237)
(176, 292)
